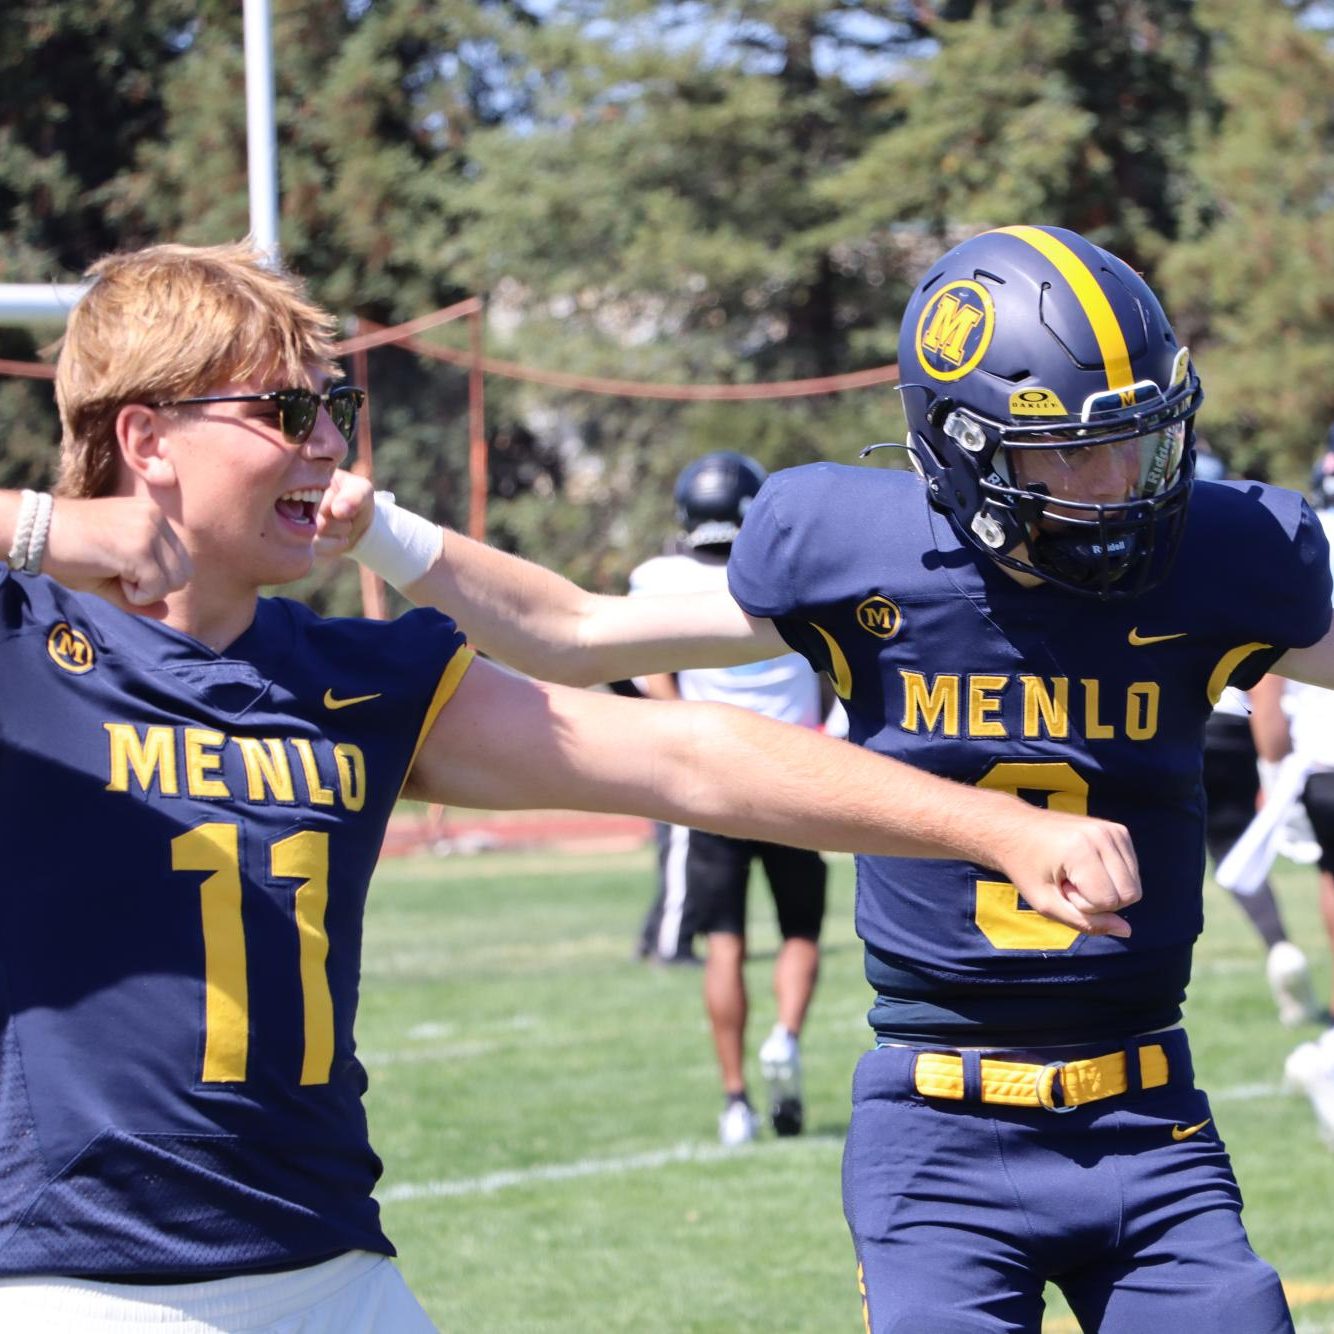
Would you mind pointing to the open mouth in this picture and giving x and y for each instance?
(300, 507)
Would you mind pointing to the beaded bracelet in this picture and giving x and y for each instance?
(23, 524)
(41, 530)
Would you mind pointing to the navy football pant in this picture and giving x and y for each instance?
(961, 1211)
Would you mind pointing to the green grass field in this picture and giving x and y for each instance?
(546, 1108)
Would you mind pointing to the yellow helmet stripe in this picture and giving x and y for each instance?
(1101, 316)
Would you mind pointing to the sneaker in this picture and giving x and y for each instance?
(1309, 1069)
(1290, 984)
(738, 1123)
(780, 1063)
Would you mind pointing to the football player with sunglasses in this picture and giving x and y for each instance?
(215, 769)
(1045, 603)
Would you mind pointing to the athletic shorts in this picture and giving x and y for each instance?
(961, 1210)
(354, 1293)
(1318, 798)
(718, 871)
(1231, 781)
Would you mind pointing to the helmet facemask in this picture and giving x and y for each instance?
(1091, 507)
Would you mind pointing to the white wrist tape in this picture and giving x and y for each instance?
(399, 546)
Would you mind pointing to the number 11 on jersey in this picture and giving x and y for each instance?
(303, 856)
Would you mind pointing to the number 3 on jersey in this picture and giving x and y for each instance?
(999, 914)
(302, 856)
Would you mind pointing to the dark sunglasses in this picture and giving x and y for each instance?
(298, 409)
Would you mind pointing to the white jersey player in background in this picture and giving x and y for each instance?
(702, 879)
(1301, 723)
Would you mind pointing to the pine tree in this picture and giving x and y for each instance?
(661, 219)
(81, 82)
(1252, 282)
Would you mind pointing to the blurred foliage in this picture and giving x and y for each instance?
(728, 191)
(1250, 282)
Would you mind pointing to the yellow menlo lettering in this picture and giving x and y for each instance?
(1046, 709)
(192, 762)
(203, 757)
(151, 757)
(1142, 710)
(945, 705)
(924, 706)
(351, 775)
(319, 794)
(266, 768)
(984, 694)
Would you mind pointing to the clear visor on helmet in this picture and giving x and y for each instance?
(1077, 469)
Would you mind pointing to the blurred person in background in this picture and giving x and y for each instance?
(1232, 792)
(1298, 723)
(703, 878)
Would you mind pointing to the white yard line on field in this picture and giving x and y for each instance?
(1245, 1092)
(657, 1158)
(584, 1167)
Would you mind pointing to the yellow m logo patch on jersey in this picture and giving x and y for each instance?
(880, 616)
(955, 329)
(70, 649)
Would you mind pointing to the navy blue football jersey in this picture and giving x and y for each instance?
(944, 661)
(189, 840)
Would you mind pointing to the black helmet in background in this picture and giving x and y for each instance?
(712, 495)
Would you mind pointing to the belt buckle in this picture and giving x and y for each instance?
(1043, 1087)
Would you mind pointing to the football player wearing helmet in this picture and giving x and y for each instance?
(183, 1127)
(1049, 606)
(703, 878)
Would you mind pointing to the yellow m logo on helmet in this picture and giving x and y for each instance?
(955, 330)
(951, 323)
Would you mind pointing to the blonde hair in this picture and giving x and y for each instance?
(175, 321)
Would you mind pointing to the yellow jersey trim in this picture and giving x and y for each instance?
(444, 692)
(838, 665)
(1106, 328)
(1228, 664)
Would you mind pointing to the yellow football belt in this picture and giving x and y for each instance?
(1024, 1084)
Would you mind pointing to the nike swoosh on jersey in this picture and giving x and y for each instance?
(1139, 640)
(331, 703)
(1185, 1132)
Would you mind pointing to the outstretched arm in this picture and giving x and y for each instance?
(119, 546)
(1269, 724)
(1314, 664)
(533, 619)
(504, 741)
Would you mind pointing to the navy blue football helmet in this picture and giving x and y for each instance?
(712, 495)
(1030, 358)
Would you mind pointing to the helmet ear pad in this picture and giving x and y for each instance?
(954, 478)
